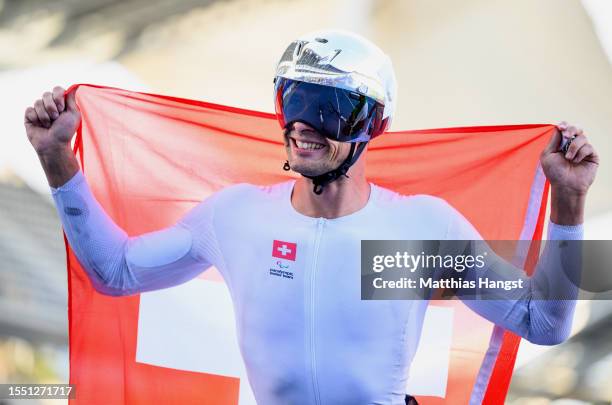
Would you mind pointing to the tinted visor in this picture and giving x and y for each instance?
(338, 114)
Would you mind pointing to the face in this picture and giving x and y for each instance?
(310, 153)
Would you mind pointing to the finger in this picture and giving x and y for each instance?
(554, 143)
(562, 125)
(71, 101)
(576, 144)
(585, 151)
(570, 131)
(58, 97)
(43, 117)
(30, 117)
(50, 106)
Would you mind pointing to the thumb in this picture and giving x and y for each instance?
(554, 143)
(71, 101)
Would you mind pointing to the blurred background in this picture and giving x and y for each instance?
(459, 63)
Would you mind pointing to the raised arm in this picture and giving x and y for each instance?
(538, 311)
(115, 263)
(121, 265)
(542, 310)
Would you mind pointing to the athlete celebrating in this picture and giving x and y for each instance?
(306, 337)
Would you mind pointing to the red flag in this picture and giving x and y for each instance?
(150, 158)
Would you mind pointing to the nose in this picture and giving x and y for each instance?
(302, 127)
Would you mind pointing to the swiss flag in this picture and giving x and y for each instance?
(284, 250)
(123, 350)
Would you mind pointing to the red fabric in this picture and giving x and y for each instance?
(149, 158)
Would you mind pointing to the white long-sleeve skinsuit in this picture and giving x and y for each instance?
(309, 338)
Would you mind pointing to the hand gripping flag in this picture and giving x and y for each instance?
(150, 158)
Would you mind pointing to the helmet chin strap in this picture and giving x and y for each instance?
(324, 179)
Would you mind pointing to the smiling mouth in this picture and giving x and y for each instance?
(307, 145)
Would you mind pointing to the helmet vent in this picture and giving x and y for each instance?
(321, 40)
(298, 49)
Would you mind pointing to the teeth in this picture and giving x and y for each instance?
(308, 145)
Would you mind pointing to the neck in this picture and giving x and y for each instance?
(341, 197)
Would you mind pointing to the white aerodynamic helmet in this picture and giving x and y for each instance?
(340, 84)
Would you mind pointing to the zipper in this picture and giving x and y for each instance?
(313, 277)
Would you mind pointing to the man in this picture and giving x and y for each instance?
(308, 338)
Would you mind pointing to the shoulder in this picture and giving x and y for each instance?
(246, 192)
(426, 211)
(422, 202)
(244, 200)
(235, 201)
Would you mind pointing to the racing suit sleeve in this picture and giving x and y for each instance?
(120, 265)
(542, 311)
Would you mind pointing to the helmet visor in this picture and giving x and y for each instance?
(338, 114)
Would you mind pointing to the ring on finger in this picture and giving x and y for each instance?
(565, 144)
